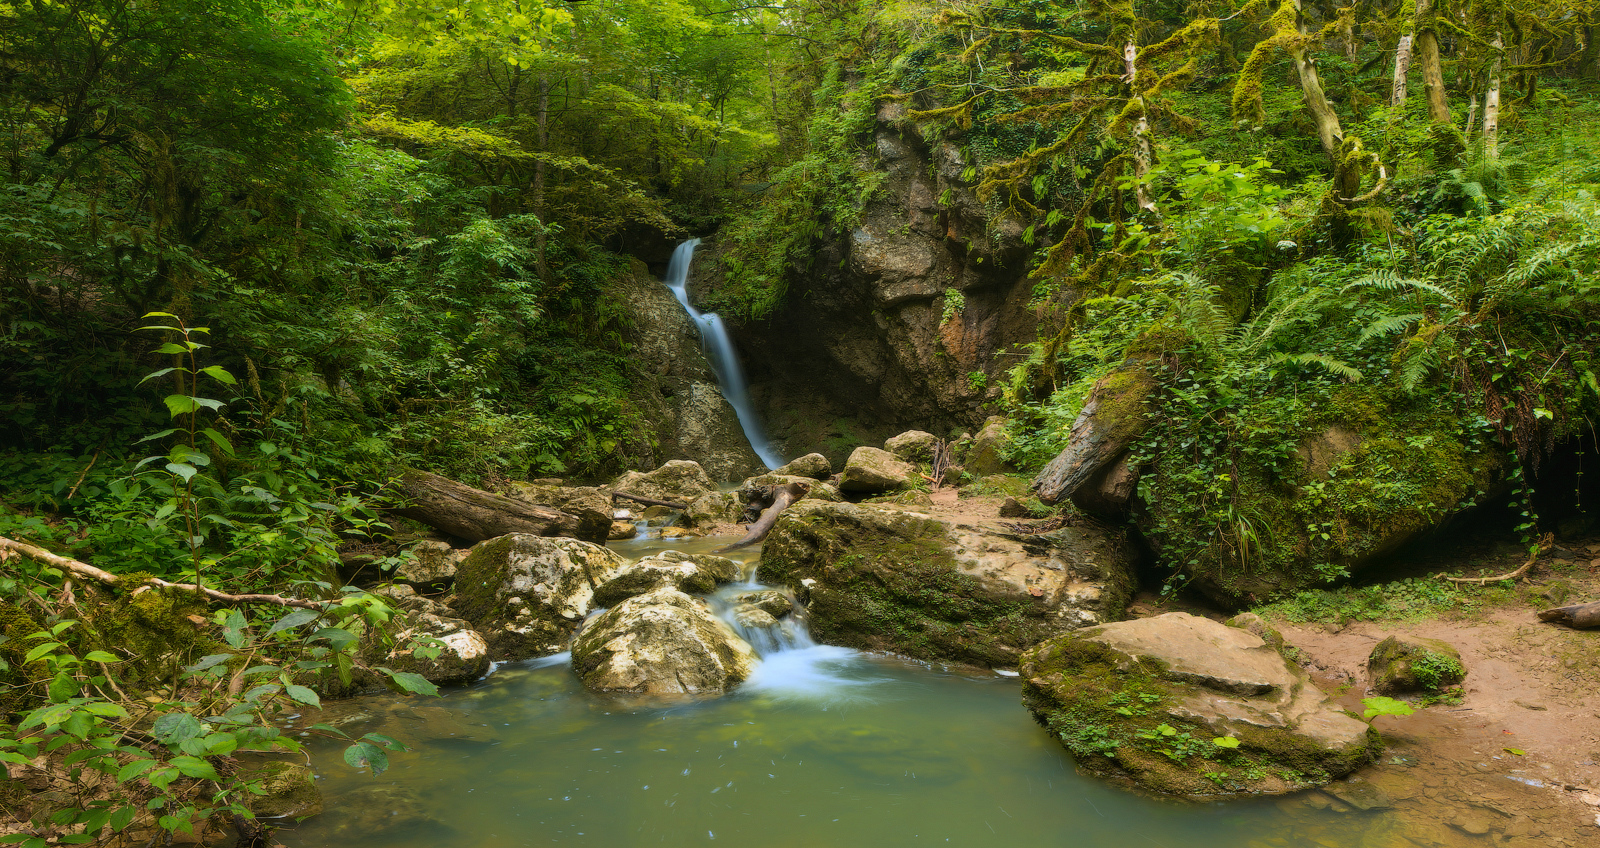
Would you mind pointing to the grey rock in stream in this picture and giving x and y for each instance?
(812, 465)
(1406, 664)
(679, 481)
(912, 445)
(696, 574)
(527, 594)
(661, 643)
(1141, 701)
(891, 579)
(463, 652)
(432, 566)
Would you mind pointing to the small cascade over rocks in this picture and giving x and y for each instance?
(724, 358)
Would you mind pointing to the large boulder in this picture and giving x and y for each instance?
(697, 574)
(883, 578)
(1406, 664)
(679, 481)
(873, 471)
(591, 504)
(912, 445)
(661, 643)
(1143, 701)
(760, 488)
(527, 594)
(812, 465)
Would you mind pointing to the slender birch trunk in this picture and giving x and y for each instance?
(1402, 66)
(1491, 102)
(1143, 154)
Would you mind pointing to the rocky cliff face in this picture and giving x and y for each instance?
(675, 387)
(907, 320)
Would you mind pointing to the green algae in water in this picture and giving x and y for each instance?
(824, 746)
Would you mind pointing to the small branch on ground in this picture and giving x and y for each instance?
(1545, 544)
(12, 547)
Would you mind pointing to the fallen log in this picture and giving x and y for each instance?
(83, 570)
(474, 515)
(782, 497)
(648, 501)
(1577, 615)
(1112, 418)
(1545, 543)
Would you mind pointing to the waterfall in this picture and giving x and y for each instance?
(724, 359)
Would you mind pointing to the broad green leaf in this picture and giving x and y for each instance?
(363, 754)
(40, 650)
(303, 695)
(195, 767)
(154, 374)
(208, 661)
(78, 725)
(1381, 706)
(134, 769)
(47, 717)
(173, 728)
(183, 469)
(63, 686)
(180, 404)
(411, 682)
(386, 741)
(328, 728)
(219, 373)
(101, 656)
(1226, 742)
(175, 347)
(294, 619)
(219, 440)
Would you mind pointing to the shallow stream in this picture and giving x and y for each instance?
(824, 746)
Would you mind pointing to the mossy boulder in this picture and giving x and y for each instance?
(695, 574)
(526, 594)
(1141, 703)
(986, 453)
(1368, 473)
(288, 790)
(591, 504)
(159, 630)
(872, 471)
(912, 445)
(1408, 664)
(713, 509)
(759, 488)
(661, 643)
(773, 602)
(432, 566)
(888, 579)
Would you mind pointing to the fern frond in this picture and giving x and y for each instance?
(1336, 367)
(1385, 326)
(1416, 366)
(1387, 280)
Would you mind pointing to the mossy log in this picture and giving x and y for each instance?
(1578, 615)
(1112, 417)
(475, 515)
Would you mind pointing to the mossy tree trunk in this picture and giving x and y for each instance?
(1432, 68)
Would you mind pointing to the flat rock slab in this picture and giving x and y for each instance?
(1142, 702)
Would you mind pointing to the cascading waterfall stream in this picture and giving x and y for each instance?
(724, 358)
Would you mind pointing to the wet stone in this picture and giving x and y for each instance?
(1359, 794)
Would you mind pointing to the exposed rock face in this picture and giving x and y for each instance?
(883, 578)
(676, 387)
(661, 643)
(463, 658)
(813, 465)
(590, 503)
(872, 471)
(912, 446)
(679, 481)
(771, 601)
(1141, 701)
(698, 574)
(1405, 664)
(879, 351)
(1109, 492)
(527, 594)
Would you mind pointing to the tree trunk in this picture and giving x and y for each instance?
(1328, 130)
(1143, 155)
(1491, 103)
(474, 515)
(782, 497)
(1432, 70)
(539, 238)
(1402, 66)
(1112, 417)
(1577, 615)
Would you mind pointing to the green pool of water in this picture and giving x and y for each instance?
(823, 746)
